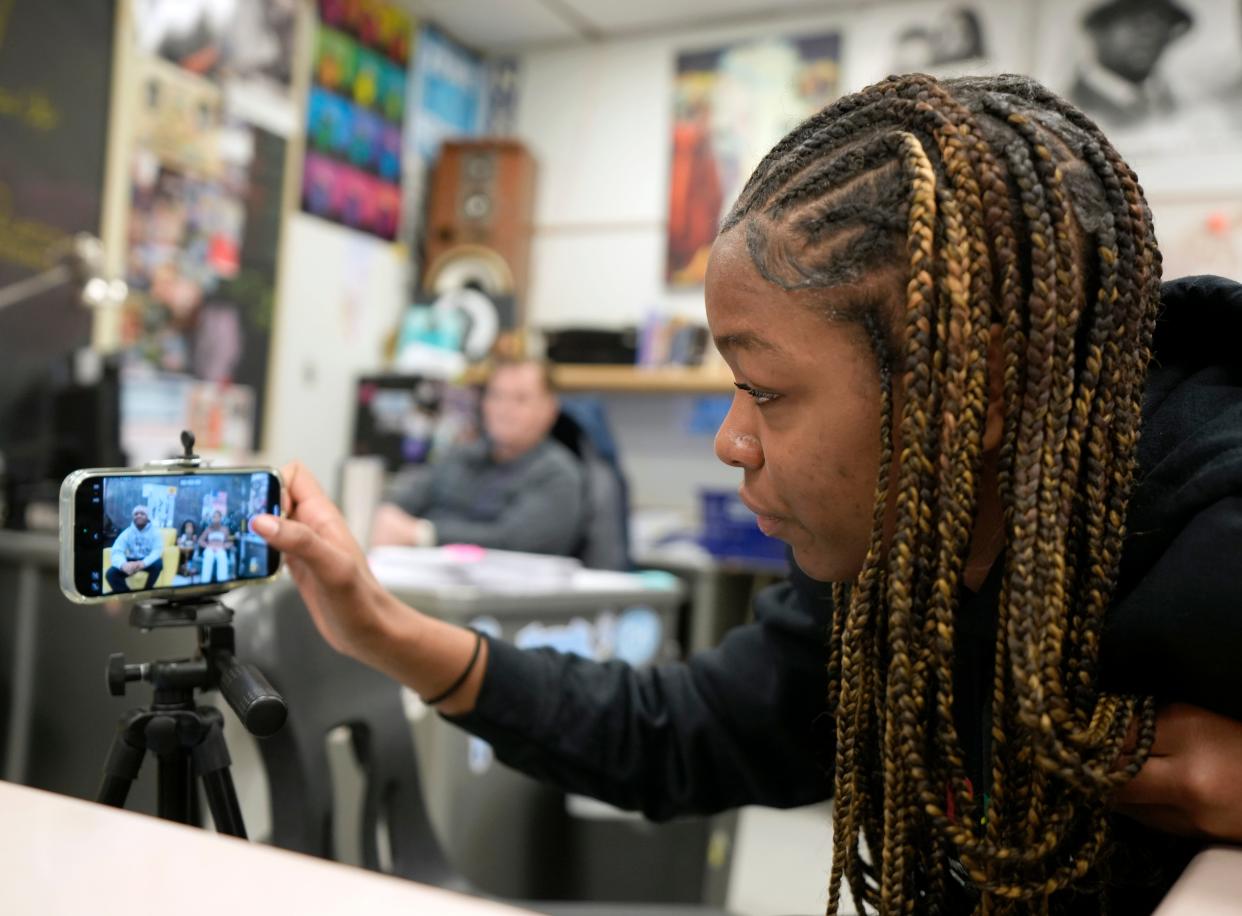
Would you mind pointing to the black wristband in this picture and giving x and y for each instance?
(461, 678)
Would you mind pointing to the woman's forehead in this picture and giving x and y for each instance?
(745, 311)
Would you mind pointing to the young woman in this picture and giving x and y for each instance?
(187, 541)
(938, 302)
(215, 540)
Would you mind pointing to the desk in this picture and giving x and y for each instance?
(507, 834)
(1211, 885)
(722, 591)
(61, 855)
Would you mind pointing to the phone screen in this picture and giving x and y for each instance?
(135, 533)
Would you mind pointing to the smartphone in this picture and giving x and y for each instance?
(164, 532)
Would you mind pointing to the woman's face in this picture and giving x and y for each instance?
(810, 452)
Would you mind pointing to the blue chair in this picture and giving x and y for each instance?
(582, 427)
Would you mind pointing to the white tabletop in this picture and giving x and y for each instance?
(1210, 886)
(61, 855)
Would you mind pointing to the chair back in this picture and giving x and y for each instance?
(582, 427)
(325, 690)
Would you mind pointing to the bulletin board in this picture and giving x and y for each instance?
(209, 113)
(53, 130)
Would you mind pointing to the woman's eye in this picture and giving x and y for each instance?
(759, 396)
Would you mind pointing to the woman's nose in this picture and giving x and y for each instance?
(736, 445)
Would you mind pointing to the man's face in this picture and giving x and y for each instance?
(518, 410)
(1132, 45)
(140, 519)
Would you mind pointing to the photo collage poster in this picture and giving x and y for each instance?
(730, 105)
(206, 181)
(355, 113)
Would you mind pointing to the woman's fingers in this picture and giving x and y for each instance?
(299, 540)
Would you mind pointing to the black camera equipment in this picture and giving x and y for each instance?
(186, 739)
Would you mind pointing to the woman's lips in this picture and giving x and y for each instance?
(769, 524)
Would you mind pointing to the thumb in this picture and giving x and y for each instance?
(298, 540)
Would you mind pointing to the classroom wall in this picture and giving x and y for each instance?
(340, 295)
(597, 118)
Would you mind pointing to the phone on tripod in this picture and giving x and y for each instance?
(164, 532)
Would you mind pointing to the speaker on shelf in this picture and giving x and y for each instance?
(479, 216)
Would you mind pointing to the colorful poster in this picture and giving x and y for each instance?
(355, 112)
(730, 106)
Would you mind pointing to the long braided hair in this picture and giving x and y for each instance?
(1004, 206)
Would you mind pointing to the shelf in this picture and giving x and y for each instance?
(640, 379)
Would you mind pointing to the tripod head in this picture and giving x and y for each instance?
(258, 706)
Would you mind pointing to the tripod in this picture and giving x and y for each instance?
(186, 739)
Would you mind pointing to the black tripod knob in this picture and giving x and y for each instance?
(119, 673)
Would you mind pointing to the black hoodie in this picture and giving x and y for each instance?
(744, 723)
(1175, 630)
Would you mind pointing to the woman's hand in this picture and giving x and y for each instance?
(350, 608)
(1192, 783)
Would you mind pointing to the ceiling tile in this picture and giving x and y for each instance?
(610, 17)
(489, 25)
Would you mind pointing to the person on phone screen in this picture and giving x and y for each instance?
(215, 541)
(139, 547)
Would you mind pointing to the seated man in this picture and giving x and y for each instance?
(139, 547)
(215, 541)
(515, 489)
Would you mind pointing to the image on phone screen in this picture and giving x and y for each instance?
(135, 533)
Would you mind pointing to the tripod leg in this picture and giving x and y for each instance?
(173, 798)
(211, 761)
(121, 768)
(174, 784)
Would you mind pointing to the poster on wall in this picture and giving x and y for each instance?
(942, 37)
(203, 235)
(354, 115)
(448, 95)
(730, 105)
(244, 46)
(1156, 75)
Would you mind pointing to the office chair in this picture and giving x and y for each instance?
(582, 427)
(325, 690)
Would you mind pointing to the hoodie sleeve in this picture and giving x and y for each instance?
(743, 723)
(1177, 634)
(119, 548)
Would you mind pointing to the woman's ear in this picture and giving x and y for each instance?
(994, 420)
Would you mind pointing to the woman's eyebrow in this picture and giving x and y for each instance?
(747, 341)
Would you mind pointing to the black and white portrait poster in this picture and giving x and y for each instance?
(941, 37)
(1156, 75)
